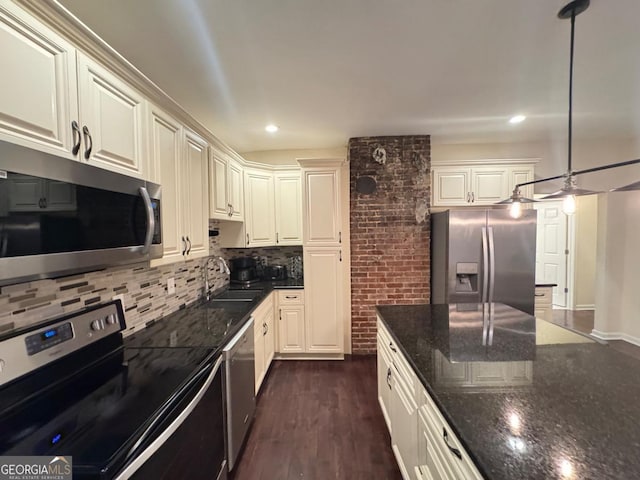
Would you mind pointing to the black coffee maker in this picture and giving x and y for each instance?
(243, 271)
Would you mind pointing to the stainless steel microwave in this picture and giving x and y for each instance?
(60, 216)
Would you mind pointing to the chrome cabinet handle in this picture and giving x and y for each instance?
(41, 202)
(473, 197)
(229, 209)
(339, 237)
(76, 134)
(87, 135)
(389, 377)
(247, 239)
(277, 238)
(189, 249)
(392, 347)
(453, 450)
(280, 314)
(184, 245)
(290, 297)
(539, 294)
(340, 255)
(233, 211)
(468, 197)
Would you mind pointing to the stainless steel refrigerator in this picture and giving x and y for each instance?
(483, 256)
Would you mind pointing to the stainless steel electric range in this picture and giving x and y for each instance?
(68, 387)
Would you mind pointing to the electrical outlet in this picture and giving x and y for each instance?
(119, 297)
(171, 286)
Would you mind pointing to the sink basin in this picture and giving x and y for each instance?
(236, 296)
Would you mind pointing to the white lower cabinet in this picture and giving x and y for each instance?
(291, 327)
(423, 443)
(264, 339)
(543, 303)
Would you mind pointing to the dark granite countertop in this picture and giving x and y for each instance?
(572, 411)
(203, 323)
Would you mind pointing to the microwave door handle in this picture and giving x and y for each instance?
(485, 265)
(151, 221)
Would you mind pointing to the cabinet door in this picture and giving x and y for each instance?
(489, 185)
(451, 186)
(113, 113)
(196, 195)
(288, 188)
(38, 98)
(521, 174)
(258, 339)
(291, 329)
(165, 161)
(384, 383)
(236, 190)
(218, 185)
(322, 213)
(260, 219)
(404, 418)
(269, 338)
(323, 285)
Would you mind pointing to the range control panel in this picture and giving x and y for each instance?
(49, 341)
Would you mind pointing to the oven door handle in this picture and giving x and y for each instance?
(151, 220)
(139, 460)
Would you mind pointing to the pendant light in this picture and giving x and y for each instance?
(569, 190)
(515, 202)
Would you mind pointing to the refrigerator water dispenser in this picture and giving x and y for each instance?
(467, 277)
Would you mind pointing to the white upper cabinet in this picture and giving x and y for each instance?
(451, 186)
(487, 184)
(260, 214)
(165, 150)
(111, 119)
(288, 204)
(38, 98)
(322, 212)
(226, 198)
(195, 188)
(236, 190)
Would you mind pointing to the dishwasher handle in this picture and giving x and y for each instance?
(228, 351)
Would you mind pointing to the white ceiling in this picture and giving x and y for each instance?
(325, 71)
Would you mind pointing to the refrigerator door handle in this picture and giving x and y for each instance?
(485, 265)
(492, 265)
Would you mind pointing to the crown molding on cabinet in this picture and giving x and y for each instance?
(321, 162)
(57, 17)
(485, 161)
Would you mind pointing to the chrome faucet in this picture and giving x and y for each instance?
(223, 268)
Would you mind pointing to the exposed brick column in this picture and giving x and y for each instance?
(389, 230)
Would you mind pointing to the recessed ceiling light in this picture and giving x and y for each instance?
(271, 128)
(517, 119)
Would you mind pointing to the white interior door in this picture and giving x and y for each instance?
(551, 248)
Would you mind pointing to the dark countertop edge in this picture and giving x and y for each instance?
(216, 350)
(546, 284)
(434, 397)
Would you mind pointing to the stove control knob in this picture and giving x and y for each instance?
(97, 325)
(111, 319)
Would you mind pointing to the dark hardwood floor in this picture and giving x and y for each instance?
(319, 420)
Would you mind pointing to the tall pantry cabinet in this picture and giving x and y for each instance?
(326, 251)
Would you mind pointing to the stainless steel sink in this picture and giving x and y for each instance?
(236, 296)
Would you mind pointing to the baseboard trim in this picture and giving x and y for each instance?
(309, 356)
(616, 336)
(585, 307)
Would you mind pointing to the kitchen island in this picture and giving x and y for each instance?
(526, 399)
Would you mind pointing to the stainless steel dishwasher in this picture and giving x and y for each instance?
(240, 389)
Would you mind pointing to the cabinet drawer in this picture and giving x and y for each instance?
(404, 370)
(291, 297)
(445, 441)
(543, 296)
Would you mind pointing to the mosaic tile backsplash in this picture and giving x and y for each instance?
(144, 290)
(270, 256)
